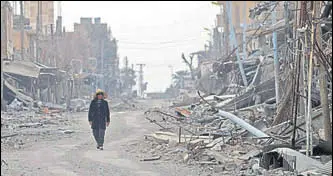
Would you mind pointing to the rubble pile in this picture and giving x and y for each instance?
(124, 104)
(21, 128)
(239, 141)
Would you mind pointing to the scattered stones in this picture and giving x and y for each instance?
(68, 131)
(20, 128)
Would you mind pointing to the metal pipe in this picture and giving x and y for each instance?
(276, 59)
(243, 124)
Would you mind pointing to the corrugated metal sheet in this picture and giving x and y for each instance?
(303, 162)
(23, 68)
(325, 170)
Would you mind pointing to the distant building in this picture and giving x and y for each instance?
(46, 9)
(103, 47)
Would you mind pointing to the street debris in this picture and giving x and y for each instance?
(151, 159)
(23, 127)
(229, 144)
(240, 129)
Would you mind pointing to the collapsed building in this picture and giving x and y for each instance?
(271, 82)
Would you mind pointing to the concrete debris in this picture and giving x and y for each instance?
(3, 162)
(15, 105)
(208, 133)
(152, 158)
(19, 128)
(68, 131)
(10, 135)
(324, 170)
(183, 112)
(30, 125)
(79, 105)
(123, 105)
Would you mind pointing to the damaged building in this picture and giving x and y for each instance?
(48, 64)
(258, 80)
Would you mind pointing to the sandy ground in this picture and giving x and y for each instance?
(76, 154)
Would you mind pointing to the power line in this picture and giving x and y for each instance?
(162, 47)
(154, 43)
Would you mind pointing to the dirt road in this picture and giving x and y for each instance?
(76, 155)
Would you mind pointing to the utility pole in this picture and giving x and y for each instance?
(41, 16)
(141, 79)
(244, 31)
(226, 28)
(102, 63)
(37, 31)
(52, 46)
(303, 5)
(296, 78)
(126, 74)
(221, 26)
(276, 59)
(286, 18)
(323, 83)
(126, 65)
(132, 75)
(171, 73)
(22, 29)
(310, 72)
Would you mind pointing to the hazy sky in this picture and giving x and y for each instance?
(153, 33)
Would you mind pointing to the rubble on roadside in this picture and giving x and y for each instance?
(238, 132)
(201, 135)
(20, 128)
(123, 104)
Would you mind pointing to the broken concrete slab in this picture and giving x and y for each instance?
(249, 155)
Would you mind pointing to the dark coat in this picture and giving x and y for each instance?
(99, 115)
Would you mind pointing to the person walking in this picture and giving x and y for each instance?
(99, 117)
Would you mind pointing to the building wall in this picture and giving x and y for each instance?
(7, 38)
(17, 40)
(238, 12)
(73, 46)
(47, 13)
(96, 33)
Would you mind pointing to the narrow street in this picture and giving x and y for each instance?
(76, 154)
